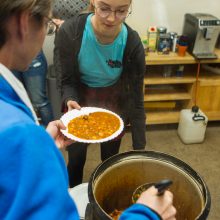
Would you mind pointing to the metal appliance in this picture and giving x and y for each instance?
(202, 30)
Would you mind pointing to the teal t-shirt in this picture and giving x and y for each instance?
(101, 65)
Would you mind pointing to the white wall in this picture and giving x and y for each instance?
(168, 13)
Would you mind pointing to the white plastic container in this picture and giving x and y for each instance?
(192, 126)
(79, 194)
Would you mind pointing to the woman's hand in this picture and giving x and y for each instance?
(58, 22)
(163, 204)
(73, 105)
(53, 129)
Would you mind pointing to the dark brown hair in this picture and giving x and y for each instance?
(8, 8)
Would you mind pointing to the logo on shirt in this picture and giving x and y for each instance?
(114, 63)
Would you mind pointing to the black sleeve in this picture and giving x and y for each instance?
(64, 62)
(138, 118)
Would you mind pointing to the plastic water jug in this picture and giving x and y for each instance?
(192, 125)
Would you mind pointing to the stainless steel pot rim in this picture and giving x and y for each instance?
(154, 155)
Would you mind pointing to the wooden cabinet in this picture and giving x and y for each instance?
(164, 96)
(208, 96)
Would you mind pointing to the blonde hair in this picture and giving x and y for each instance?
(8, 8)
(91, 7)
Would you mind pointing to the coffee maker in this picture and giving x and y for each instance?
(202, 31)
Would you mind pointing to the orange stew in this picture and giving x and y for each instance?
(95, 126)
(116, 214)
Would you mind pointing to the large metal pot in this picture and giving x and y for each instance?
(113, 182)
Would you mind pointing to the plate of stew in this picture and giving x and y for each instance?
(92, 125)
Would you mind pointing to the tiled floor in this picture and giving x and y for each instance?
(204, 158)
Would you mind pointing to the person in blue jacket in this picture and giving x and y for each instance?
(33, 176)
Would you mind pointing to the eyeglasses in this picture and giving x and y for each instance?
(51, 26)
(104, 12)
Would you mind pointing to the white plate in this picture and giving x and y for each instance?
(79, 195)
(85, 111)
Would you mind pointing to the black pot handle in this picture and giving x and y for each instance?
(162, 186)
(198, 117)
(89, 212)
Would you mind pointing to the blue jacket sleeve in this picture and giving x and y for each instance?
(34, 182)
(140, 212)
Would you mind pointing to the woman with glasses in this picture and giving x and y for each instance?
(33, 175)
(102, 64)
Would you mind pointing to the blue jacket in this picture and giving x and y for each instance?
(139, 212)
(33, 177)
